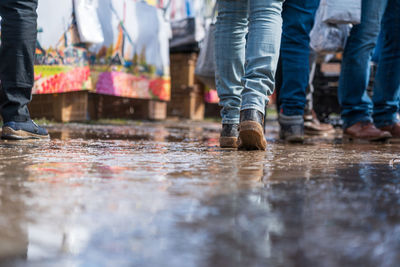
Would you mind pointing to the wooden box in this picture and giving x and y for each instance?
(61, 107)
(108, 107)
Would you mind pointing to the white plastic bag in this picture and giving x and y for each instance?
(341, 11)
(327, 37)
(205, 67)
(89, 26)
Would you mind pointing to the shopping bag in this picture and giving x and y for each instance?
(205, 67)
(328, 37)
(341, 11)
(88, 22)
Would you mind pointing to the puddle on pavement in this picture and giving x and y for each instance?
(167, 195)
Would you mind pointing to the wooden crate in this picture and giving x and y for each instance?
(108, 107)
(62, 107)
(183, 66)
(187, 105)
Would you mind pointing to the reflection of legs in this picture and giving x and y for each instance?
(387, 80)
(231, 29)
(17, 55)
(356, 104)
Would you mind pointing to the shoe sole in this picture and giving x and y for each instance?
(228, 142)
(318, 133)
(10, 134)
(295, 139)
(251, 136)
(351, 139)
(292, 139)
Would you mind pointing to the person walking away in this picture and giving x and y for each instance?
(245, 67)
(296, 69)
(17, 52)
(365, 118)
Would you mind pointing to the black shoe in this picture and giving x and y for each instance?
(23, 130)
(292, 128)
(251, 130)
(229, 136)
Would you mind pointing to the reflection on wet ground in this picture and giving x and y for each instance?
(164, 194)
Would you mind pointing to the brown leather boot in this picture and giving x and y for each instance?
(365, 130)
(251, 130)
(312, 126)
(394, 130)
(229, 136)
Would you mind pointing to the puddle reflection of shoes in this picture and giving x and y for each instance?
(23, 131)
(365, 131)
(229, 136)
(251, 130)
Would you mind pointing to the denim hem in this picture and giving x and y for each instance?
(230, 121)
(8, 84)
(347, 122)
(262, 110)
(379, 123)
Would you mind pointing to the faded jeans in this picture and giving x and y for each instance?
(245, 67)
(356, 104)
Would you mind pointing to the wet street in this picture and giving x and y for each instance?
(165, 194)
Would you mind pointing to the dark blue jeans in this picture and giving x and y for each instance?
(356, 104)
(298, 20)
(17, 52)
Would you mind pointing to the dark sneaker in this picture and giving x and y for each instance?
(312, 126)
(229, 136)
(365, 131)
(23, 130)
(292, 128)
(251, 130)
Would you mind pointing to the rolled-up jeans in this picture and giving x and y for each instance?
(245, 67)
(17, 52)
(356, 104)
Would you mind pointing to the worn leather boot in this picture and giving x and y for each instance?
(251, 130)
(394, 130)
(365, 130)
(291, 128)
(229, 136)
(312, 126)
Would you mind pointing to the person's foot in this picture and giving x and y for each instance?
(229, 136)
(312, 126)
(394, 130)
(291, 128)
(23, 130)
(365, 130)
(251, 130)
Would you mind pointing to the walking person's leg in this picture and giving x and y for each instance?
(353, 98)
(17, 51)
(298, 20)
(387, 79)
(262, 53)
(230, 42)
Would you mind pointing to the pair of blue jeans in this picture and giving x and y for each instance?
(356, 104)
(298, 21)
(17, 54)
(247, 41)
